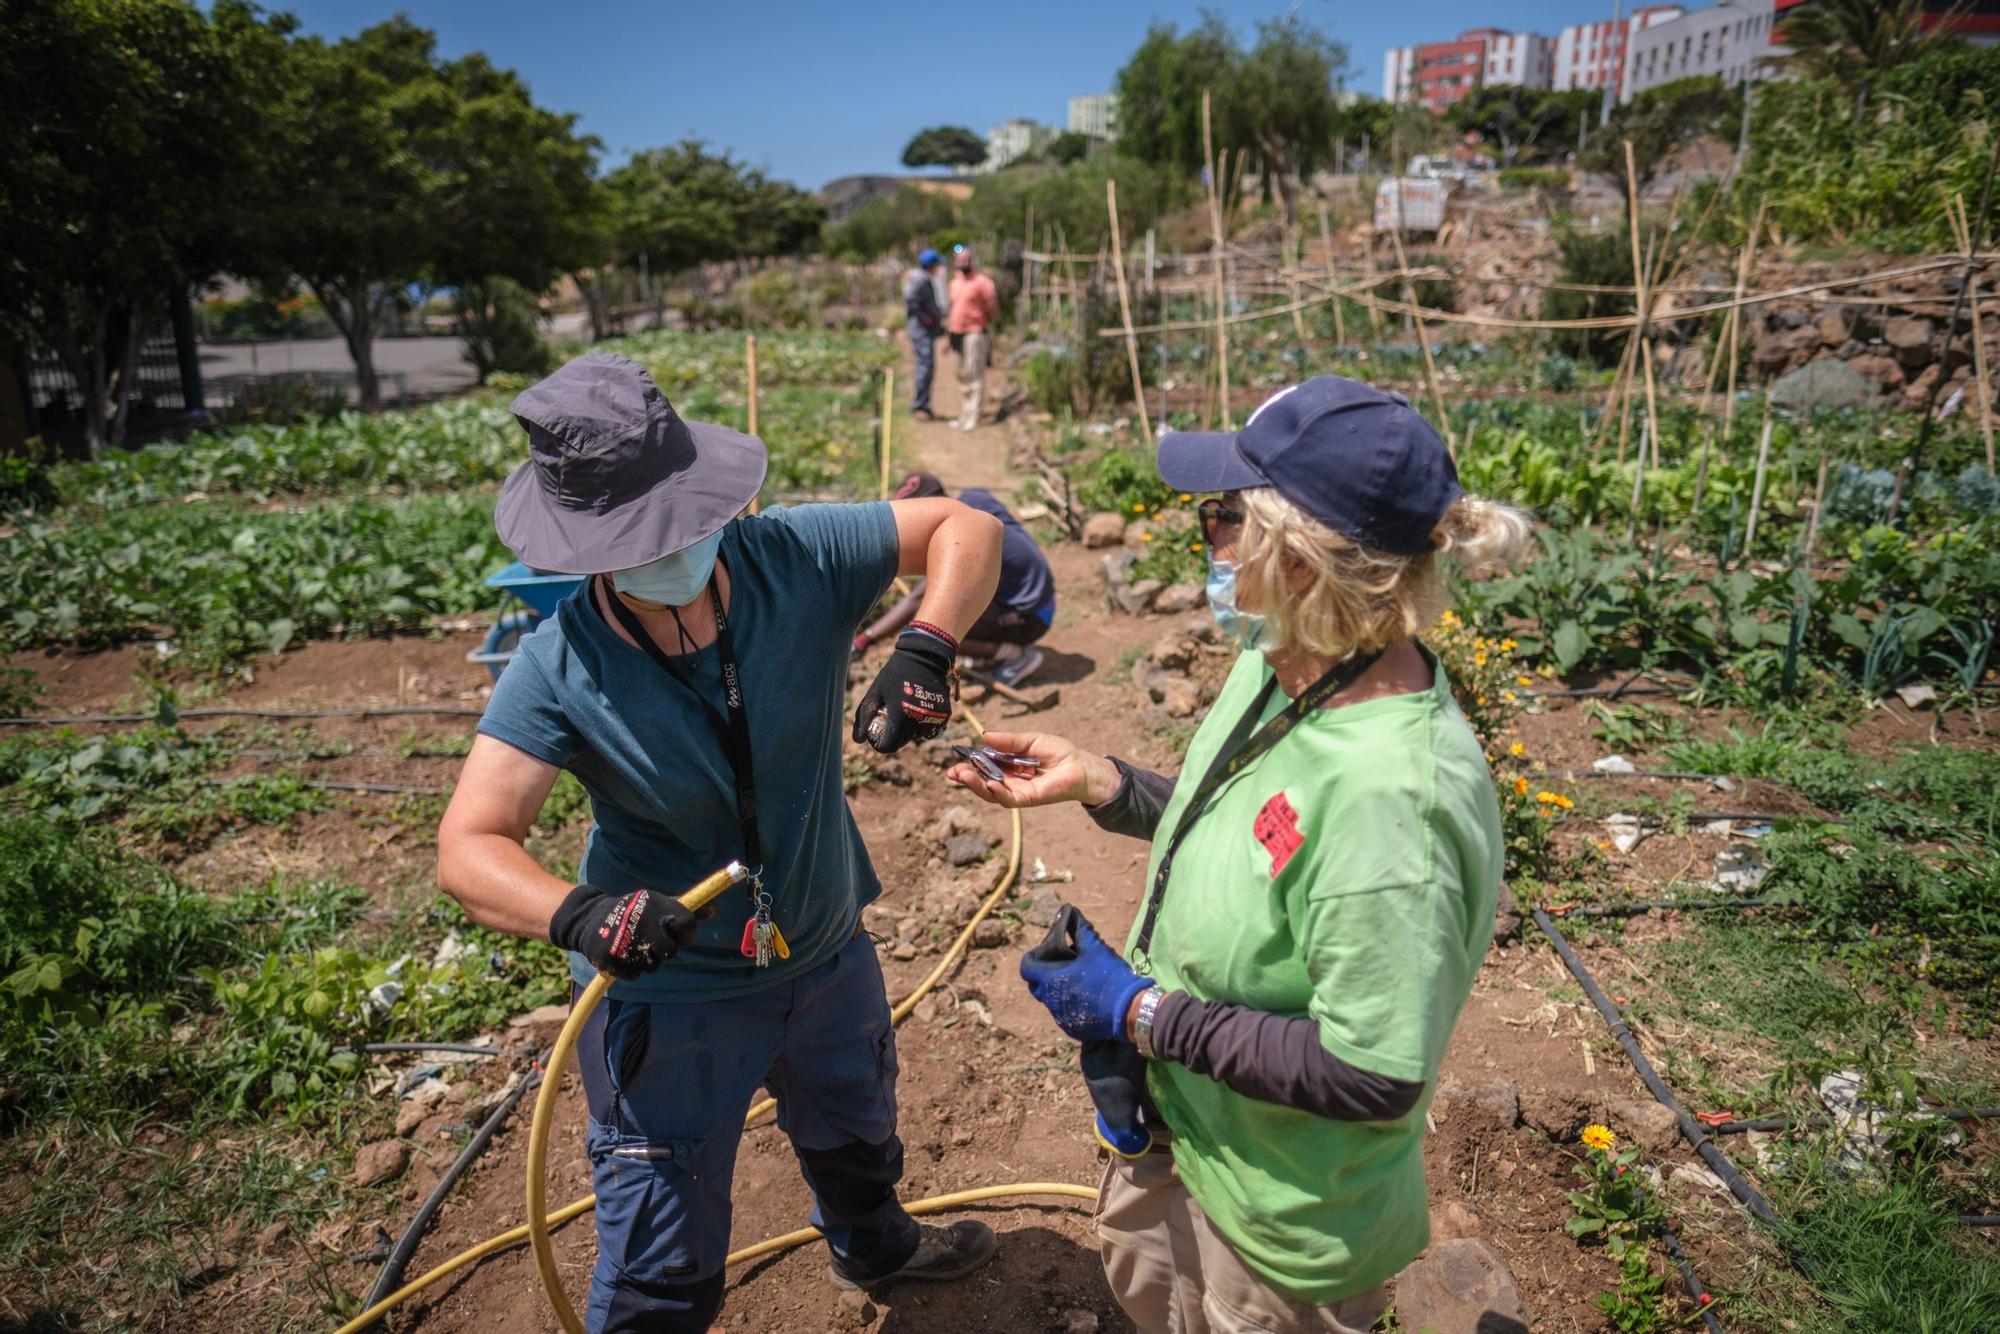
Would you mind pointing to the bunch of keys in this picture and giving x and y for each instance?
(997, 766)
(762, 940)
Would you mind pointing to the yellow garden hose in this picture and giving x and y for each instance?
(537, 1231)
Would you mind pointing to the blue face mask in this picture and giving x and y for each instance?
(1247, 630)
(674, 580)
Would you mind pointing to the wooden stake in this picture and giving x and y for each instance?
(1701, 470)
(1819, 503)
(888, 415)
(1215, 225)
(750, 367)
(1333, 278)
(1757, 486)
(1743, 264)
(1125, 311)
(1292, 277)
(1982, 386)
(1027, 271)
(1638, 485)
(1423, 337)
(1639, 284)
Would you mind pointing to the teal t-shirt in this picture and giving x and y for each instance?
(1348, 875)
(662, 793)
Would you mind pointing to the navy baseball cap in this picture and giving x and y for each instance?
(928, 258)
(1357, 458)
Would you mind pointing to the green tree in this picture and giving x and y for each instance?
(945, 146)
(387, 167)
(1852, 43)
(1071, 146)
(1275, 98)
(128, 122)
(1518, 118)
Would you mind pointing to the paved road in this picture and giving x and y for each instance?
(411, 368)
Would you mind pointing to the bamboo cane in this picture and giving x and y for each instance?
(1332, 278)
(1639, 283)
(1982, 386)
(1125, 310)
(1701, 471)
(1423, 337)
(1744, 263)
(1819, 503)
(750, 373)
(888, 415)
(1757, 486)
(1215, 225)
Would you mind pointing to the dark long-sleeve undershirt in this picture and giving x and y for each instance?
(1269, 1057)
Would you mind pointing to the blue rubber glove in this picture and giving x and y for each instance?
(1086, 986)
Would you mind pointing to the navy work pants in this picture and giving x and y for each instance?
(668, 1086)
(923, 348)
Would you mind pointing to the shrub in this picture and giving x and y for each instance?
(499, 322)
(281, 400)
(1590, 258)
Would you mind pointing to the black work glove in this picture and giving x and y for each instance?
(622, 934)
(1115, 1074)
(911, 697)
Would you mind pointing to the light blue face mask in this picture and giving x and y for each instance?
(675, 579)
(1247, 630)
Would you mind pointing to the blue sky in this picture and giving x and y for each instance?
(811, 91)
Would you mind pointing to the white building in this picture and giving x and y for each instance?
(1728, 39)
(1095, 114)
(1399, 69)
(1526, 58)
(1591, 55)
(1012, 139)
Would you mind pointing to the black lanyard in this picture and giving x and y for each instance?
(1239, 751)
(734, 728)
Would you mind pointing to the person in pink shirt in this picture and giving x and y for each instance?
(973, 306)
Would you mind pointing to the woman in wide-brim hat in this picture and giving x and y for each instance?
(695, 685)
(1320, 891)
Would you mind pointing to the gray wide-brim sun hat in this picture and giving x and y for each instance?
(615, 477)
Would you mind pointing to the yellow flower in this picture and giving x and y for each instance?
(1195, 547)
(1185, 497)
(1516, 749)
(1554, 799)
(1520, 787)
(1506, 646)
(1139, 507)
(1479, 660)
(1145, 537)
(1524, 680)
(1599, 1138)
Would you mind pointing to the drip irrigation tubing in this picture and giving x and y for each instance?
(461, 1048)
(1640, 907)
(1817, 1122)
(337, 785)
(406, 1245)
(1695, 1291)
(1692, 1130)
(384, 711)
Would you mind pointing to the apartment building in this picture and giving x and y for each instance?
(1729, 39)
(1592, 55)
(1436, 74)
(1094, 114)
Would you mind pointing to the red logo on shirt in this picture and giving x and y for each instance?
(1277, 828)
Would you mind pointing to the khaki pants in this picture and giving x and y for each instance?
(1175, 1274)
(973, 351)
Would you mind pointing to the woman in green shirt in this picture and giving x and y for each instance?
(1321, 886)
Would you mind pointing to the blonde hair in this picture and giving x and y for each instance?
(1357, 598)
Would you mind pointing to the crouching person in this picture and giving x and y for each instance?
(1320, 892)
(695, 685)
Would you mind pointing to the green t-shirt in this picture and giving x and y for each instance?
(1349, 875)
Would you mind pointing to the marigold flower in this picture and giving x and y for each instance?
(1139, 507)
(1185, 496)
(1506, 646)
(1516, 749)
(1145, 537)
(1479, 660)
(1524, 680)
(1599, 1137)
(1520, 787)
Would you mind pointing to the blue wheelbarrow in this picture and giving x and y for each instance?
(540, 591)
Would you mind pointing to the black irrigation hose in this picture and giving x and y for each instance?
(1822, 1122)
(1691, 1130)
(1979, 1220)
(1572, 775)
(385, 711)
(1696, 1292)
(1642, 906)
(464, 1048)
(332, 785)
(1586, 692)
(406, 1246)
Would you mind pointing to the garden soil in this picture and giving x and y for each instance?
(988, 1089)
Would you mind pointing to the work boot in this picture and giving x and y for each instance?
(942, 1252)
(1010, 669)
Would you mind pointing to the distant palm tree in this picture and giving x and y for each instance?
(1852, 42)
